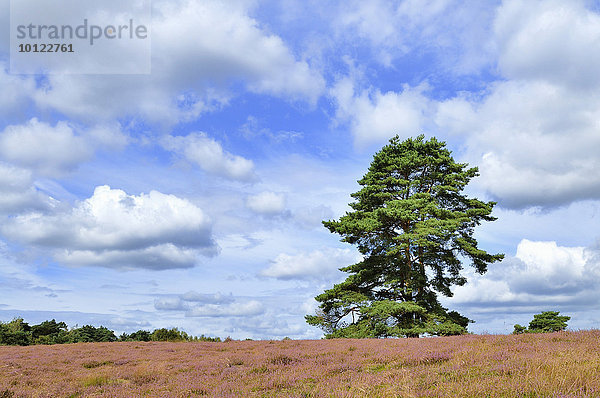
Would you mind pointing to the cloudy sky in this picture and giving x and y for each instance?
(192, 197)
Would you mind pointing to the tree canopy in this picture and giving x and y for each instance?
(545, 322)
(414, 228)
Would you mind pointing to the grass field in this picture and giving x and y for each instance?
(565, 364)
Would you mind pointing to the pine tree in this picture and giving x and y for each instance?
(413, 227)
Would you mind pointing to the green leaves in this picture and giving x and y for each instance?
(545, 322)
(413, 225)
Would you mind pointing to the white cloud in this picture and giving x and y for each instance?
(453, 32)
(200, 49)
(375, 117)
(54, 151)
(16, 90)
(248, 308)
(552, 268)
(542, 274)
(216, 305)
(228, 44)
(266, 203)
(216, 298)
(207, 153)
(113, 229)
(534, 142)
(17, 192)
(170, 304)
(534, 136)
(109, 136)
(49, 150)
(554, 40)
(318, 264)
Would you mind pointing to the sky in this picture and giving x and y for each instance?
(193, 196)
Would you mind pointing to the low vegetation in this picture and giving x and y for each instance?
(560, 364)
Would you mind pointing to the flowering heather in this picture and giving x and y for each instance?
(563, 364)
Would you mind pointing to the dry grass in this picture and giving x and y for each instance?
(565, 364)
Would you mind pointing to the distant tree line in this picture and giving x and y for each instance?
(19, 332)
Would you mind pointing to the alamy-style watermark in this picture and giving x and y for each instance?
(80, 36)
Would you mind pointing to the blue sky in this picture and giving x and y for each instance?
(192, 197)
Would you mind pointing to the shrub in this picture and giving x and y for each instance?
(545, 322)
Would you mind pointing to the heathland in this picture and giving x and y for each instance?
(562, 364)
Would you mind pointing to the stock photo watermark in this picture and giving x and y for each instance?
(80, 37)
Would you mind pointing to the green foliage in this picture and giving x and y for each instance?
(15, 332)
(169, 335)
(519, 329)
(545, 322)
(91, 334)
(9, 337)
(140, 335)
(413, 227)
(164, 334)
(18, 332)
(548, 321)
(50, 332)
(208, 339)
(18, 325)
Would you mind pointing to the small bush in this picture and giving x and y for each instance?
(96, 364)
(96, 380)
(282, 360)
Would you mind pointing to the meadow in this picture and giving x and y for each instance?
(562, 364)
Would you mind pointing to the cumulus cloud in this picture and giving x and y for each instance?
(53, 151)
(266, 203)
(555, 41)
(533, 142)
(113, 229)
(541, 274)
(200, 49)
(50, 150)
(207, 153)
(375, 117)
(229, 44)
(318, 264)
(18, 193)
(550, 268)
(537, 130)
(16, 90)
